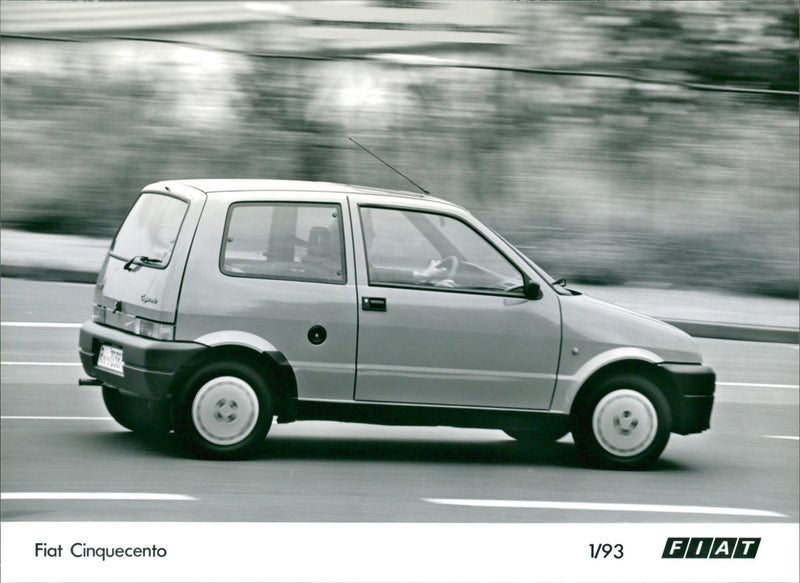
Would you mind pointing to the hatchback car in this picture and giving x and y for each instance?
(223, 304)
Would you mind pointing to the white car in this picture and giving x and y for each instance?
(225, 303)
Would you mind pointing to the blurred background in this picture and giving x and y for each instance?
(652, 143)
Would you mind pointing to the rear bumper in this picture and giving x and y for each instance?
(149, 365)
(693, 396)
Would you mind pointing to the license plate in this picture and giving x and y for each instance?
(110, 359)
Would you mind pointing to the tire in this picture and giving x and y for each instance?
(224, 411)
(623, 423)
(138, 414)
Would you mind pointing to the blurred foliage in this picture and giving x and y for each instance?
(598, 180)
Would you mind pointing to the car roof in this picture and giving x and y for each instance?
(211, 186)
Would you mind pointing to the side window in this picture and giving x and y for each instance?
(284, 241)
(431, 250)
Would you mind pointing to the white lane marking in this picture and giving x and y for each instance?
(10, 363)
(40, 324)
(44, 418)
(603, 506)
(793, 437)
(91, 496)
(758, 385)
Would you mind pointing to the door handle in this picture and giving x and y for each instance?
(374, 304)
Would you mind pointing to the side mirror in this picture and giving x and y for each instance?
(531, 289)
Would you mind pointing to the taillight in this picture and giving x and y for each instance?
(99, 314)
(134, 325)
(154, 330)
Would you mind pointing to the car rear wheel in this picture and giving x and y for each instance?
(623, 423)
(224, 412)
(137, 413)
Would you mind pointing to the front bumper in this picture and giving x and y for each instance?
(692, 398)
(149, 365)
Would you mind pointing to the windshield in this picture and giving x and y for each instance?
(150, 229)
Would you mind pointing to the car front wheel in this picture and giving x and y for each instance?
(623, 423)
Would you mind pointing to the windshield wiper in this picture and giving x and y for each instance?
(143, 259)
(562, 282)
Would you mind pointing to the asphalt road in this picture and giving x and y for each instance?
(64, 459)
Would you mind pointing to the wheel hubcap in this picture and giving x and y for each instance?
(625, 422)
(225, 410)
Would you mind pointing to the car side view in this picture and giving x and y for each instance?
(223, 304)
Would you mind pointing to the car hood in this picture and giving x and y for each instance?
(596, 326)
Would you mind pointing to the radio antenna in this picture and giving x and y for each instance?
(389, 165)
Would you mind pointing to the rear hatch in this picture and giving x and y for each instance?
(139, 284)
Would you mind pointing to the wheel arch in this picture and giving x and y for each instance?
(638, 367)
(270, 365)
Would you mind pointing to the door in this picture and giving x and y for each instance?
(142, 272)
(442, 317)
(277, 275)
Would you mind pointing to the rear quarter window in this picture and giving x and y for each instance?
(297, 241)
(151, 228)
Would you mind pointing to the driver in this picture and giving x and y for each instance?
(435, 274)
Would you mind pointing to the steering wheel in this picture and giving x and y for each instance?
(450, 263)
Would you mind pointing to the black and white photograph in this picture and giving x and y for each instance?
(399, 291)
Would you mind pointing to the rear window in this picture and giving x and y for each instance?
(151, 228)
